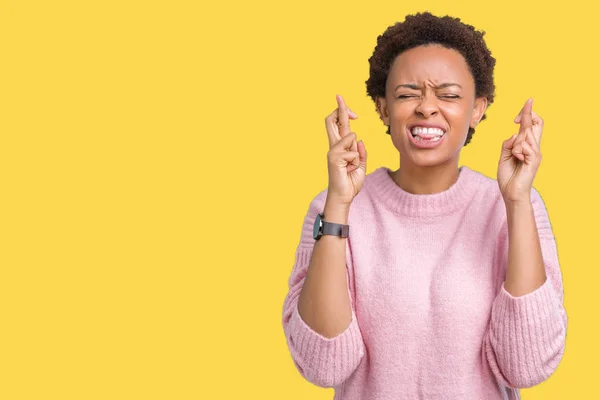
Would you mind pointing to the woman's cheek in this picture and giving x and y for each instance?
(455, 115)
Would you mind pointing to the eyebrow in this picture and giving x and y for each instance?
(416, 87)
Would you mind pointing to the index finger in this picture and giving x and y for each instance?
(538, 126)
(526, 116)
(343, 121)
(332, 128)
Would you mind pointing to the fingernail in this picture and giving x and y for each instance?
(353, 114)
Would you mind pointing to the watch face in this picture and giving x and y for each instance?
(317, 227)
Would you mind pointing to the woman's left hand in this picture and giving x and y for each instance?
(521, 156)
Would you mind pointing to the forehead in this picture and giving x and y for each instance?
(432, 64)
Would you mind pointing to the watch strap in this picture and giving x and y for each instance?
(331, 228)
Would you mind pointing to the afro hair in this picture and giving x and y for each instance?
(423, 29)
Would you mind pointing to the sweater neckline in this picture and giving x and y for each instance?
(424, 205)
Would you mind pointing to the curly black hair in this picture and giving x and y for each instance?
(423, 29)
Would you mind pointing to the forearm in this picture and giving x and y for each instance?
(324, 303)
(526, 337)
(525, 270)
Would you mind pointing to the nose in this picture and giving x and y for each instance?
(427, 106)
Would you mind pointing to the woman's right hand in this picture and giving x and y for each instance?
(346, 159)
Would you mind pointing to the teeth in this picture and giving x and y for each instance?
(418, 130)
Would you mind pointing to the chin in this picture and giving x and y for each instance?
(429, 160)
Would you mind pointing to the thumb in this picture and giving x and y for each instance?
(507, 146)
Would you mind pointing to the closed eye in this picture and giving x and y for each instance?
(447, 96)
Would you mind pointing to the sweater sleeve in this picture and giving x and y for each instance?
(525, 339)
(325, 362)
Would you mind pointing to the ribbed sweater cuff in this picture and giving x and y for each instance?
(539, 307)
(325, 361)
(528, 335)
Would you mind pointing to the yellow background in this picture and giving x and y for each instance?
(157, 159)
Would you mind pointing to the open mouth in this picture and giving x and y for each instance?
(425, 134)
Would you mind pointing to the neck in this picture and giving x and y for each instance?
(426, 180)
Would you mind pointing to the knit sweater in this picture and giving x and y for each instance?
(431, 318)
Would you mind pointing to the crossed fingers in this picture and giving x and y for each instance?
(338, 122)
(527, 142)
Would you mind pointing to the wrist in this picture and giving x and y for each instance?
(518, 204)
(337, 213)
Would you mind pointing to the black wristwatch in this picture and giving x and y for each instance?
(322, 227)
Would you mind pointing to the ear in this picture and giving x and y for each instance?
(382, 110)
(478, 111)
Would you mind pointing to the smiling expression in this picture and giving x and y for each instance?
(430, 104)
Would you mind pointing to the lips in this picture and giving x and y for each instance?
(426, 136)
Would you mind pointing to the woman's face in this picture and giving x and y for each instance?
(430, 92)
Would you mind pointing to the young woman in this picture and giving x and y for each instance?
(430, 281)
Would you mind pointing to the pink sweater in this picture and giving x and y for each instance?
(430, 316)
